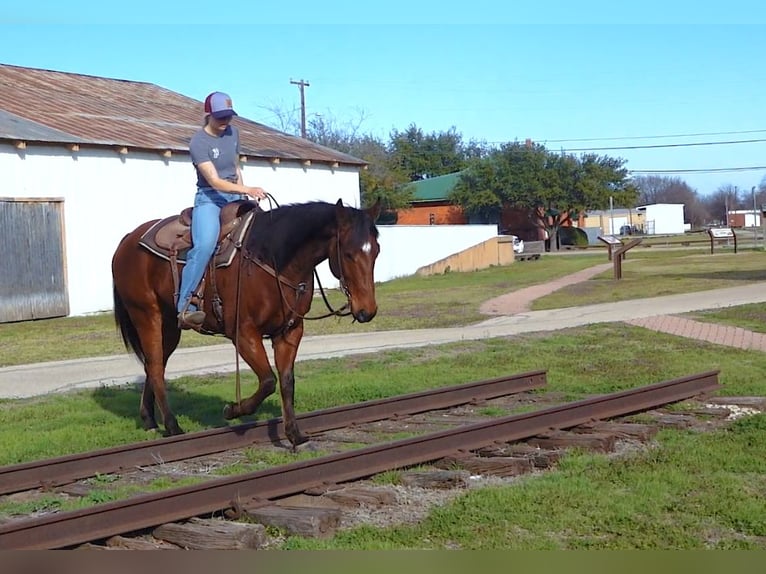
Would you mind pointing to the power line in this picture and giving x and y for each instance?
(708, 170)
(657, 146)
(656, 136)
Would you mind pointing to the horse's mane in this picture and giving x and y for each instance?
(277, 234)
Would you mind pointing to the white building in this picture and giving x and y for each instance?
(87, 159)
(663, 218)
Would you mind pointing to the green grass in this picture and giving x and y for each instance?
(751, 317)
(653, 274)
(690, 492)
(580, 362)
(407, 303)
(446, 300)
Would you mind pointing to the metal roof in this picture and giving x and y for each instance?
(60, 107)
(14, 127)
(434, 188)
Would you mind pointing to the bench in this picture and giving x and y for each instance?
(532, 251)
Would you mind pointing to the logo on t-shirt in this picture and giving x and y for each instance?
(215, 152)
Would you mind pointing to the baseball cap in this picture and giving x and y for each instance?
(218, 105)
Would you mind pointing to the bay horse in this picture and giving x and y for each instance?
(265, 292)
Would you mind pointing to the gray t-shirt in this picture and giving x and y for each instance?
(223, 151)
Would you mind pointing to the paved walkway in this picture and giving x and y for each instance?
(511, 317)
(710, 332)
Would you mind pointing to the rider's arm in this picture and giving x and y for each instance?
(208, 171)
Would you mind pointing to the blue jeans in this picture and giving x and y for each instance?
(206, 225)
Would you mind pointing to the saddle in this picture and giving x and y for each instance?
(170, 239)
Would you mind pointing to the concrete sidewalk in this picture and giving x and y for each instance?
(31, 380)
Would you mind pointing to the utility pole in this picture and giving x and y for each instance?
(755, 218)
(301, 84)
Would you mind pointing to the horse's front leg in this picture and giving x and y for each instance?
(285, 350)
(254, 353)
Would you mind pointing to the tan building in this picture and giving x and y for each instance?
(615, 221)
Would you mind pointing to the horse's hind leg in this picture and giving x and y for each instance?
(159, 339)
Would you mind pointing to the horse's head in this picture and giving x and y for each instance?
(352, 258)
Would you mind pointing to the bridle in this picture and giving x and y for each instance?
(300, 288)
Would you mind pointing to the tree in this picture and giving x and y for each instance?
(554, 187)
(421, 156)
(380, 179)
(479, 190)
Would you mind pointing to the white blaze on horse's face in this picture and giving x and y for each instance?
(367, 247)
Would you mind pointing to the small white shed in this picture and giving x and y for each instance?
(663, 218)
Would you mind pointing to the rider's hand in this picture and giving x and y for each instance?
(256, 193)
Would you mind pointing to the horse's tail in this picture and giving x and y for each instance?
(126, 326)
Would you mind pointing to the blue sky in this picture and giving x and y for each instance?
(571, 75)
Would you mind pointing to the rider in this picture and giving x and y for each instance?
(214, 151)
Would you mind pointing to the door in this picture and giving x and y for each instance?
(32, 263)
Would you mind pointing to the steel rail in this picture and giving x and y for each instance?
(62, 470)
(102, 521)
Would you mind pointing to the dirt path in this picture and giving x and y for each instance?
(521, 300)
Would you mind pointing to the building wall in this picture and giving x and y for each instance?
(431, 213)
(744, 218)
(106, 195)
(406, 248)
(492, 252)
(605, 222)
(662, 218)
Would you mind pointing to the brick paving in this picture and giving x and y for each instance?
(737, 337)
(710, 332)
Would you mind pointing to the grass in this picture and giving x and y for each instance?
(751, 317)
(661, 273)
(407, 303)
(691, 490)
(597, 359)
(446, 300)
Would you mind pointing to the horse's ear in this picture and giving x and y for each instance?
(374, 211)
(340, 211)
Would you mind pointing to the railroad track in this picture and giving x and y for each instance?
(254, 489)
(53, 472)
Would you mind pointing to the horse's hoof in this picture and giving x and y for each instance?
(305, 445)
(153, 432)
(229, 412)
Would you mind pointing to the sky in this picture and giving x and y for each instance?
(675, 88)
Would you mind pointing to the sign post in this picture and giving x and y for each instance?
(612, 243)
(619, 255)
